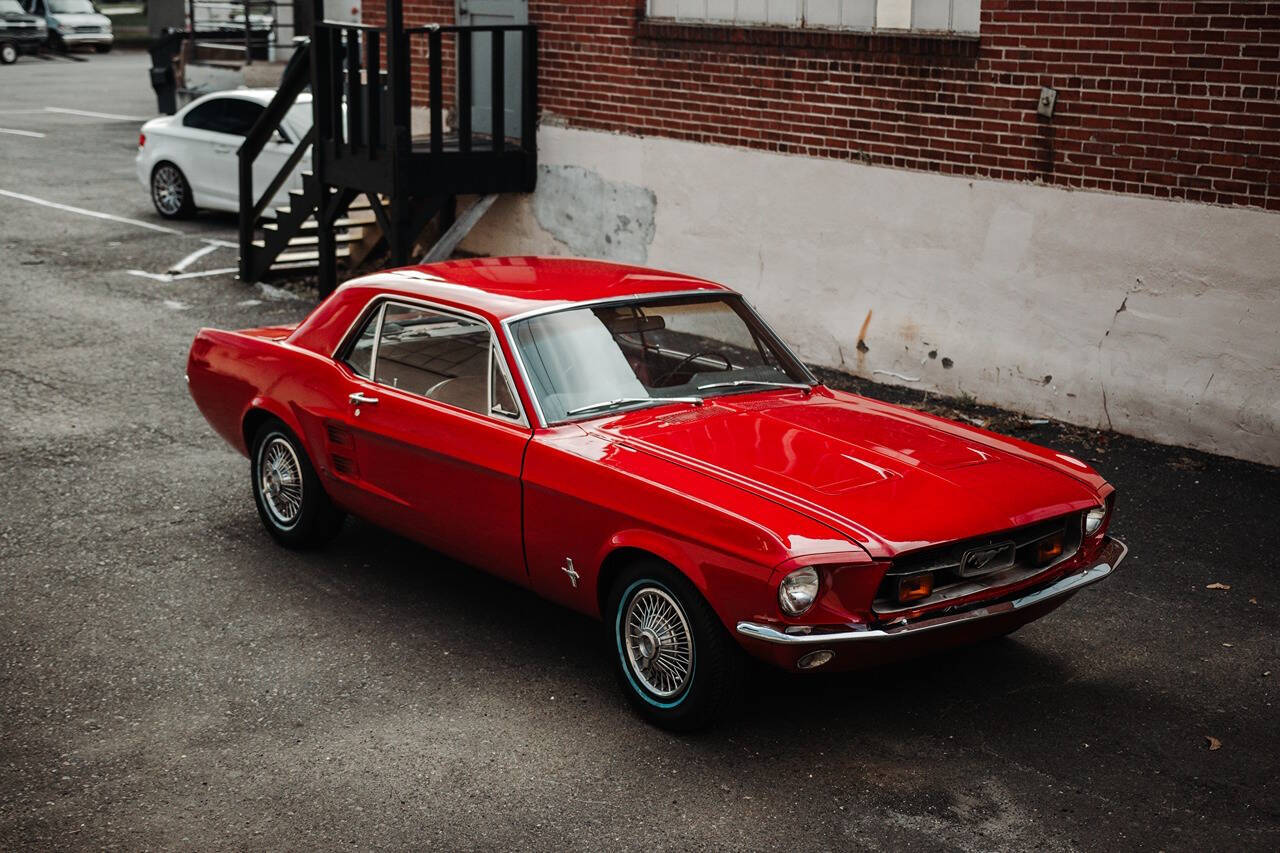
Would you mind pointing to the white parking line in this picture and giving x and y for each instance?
(168, 277)
(91, 114)
(31, 133)
(192, 258)
(96, 214)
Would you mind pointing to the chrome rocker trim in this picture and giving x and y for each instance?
(1113, 551)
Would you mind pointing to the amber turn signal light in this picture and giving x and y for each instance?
(1048, 549)
(915, 587)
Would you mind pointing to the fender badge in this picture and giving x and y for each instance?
(569, 570)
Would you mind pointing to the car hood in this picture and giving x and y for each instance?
(78, 19)
(889, 478)
(20, 18)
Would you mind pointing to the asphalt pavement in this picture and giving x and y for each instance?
(171, 679)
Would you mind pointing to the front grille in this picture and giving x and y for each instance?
(89, 28)
(953, 579)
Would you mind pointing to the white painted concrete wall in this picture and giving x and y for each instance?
(1160, 319)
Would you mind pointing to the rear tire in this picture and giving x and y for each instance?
(676, 663)
(170, 192)
(291, 501)
(8, 53)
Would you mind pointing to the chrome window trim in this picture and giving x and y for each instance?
(377, 341)
(605, 300)
(384, 299)
(524, 373)
(508, 322)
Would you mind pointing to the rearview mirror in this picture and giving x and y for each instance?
(633, 325)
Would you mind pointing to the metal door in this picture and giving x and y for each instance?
(480, 13)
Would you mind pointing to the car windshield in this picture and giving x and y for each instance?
(586, 362)
(10, 7)
(72, 7)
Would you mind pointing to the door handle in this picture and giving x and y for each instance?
(358, 399)
(222, 149)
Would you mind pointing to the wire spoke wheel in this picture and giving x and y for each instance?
(280, 481)
(167, 189)
(658, 642)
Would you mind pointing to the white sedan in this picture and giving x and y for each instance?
(188, 160)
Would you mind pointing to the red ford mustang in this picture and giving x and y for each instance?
(641, 447)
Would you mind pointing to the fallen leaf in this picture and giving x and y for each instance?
(1253, 601)
(1214, 743)
(1218, 586)
(1226, 645)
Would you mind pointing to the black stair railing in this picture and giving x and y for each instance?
(463, 38)
(296, 77)
(350, 88)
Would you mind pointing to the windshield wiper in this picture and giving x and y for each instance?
(740, 382)
(606, 404)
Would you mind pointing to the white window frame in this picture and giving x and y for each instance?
(887, 15)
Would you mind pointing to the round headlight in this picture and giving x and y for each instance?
(798, 590)
(1093, 520)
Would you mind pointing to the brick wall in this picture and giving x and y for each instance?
(1172, 99)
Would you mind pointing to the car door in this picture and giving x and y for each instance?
(436, 434)
(211, 133)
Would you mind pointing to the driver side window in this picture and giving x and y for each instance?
(233, 116)
(440, 356)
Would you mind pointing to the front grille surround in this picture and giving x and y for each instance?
(944, 562)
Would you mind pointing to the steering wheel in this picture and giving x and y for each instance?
(728, 365)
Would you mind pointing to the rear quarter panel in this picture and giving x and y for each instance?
(230, 373)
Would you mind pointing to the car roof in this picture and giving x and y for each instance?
(261, 96)
(507, 287)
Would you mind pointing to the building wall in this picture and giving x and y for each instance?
(1155, 318)
(972, 264)
(1169, 99)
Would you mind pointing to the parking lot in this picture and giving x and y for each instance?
(171, 679)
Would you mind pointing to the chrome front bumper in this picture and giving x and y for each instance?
(87, 38)
(1113, 551)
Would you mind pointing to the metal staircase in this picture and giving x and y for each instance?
(289, 243)
(372, 179)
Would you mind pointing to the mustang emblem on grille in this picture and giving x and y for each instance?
(979, 561)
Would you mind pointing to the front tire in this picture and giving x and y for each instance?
(102, 48)
(170, 192)
(8, 53)
(677, 665)
(291, 501)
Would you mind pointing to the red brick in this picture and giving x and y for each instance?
(1148, 92)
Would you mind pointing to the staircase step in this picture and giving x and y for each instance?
(351, 220)
(313, 239)
(359, 218)
(305, 256)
